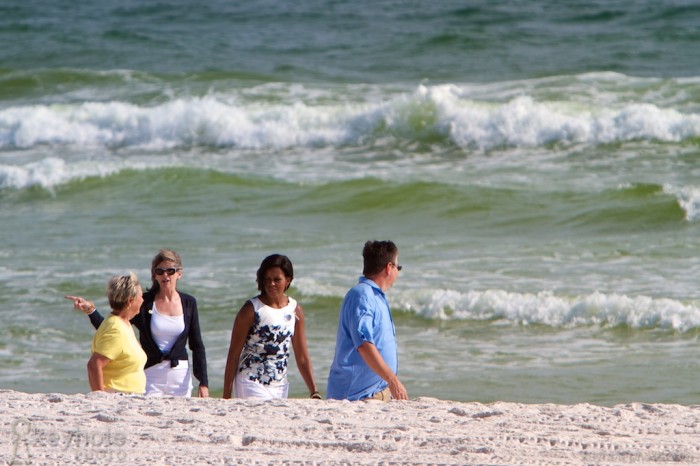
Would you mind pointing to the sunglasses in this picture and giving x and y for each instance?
(169, 271)
(398, 267)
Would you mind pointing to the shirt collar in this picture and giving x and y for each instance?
(371, 283)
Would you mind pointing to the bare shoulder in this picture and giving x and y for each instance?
(246, 311)
(299, 312)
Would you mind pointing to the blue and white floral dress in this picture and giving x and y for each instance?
(262, 371)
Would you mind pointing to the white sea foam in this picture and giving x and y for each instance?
(546, 308)
(50, 172)
(525, 122)
(182, 122)
(453, 113)
(47, 172)
(688, 198)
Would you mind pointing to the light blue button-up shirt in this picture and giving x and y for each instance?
(364, 317)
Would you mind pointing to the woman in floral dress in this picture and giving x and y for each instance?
(263, 331)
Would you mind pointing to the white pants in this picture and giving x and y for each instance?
(161, 379)
(244, 388)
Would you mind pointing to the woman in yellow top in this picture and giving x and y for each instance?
(117, 360)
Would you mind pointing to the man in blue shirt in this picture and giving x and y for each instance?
(366, 361)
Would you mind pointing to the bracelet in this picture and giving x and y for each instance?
(316, 396)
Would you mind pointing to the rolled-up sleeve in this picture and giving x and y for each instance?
(362, 329)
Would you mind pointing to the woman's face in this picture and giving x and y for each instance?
(135, 305)
(275, 283)
(167, 274)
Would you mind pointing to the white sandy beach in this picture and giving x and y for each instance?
(100, 428)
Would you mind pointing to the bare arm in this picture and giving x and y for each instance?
(301, 352)
(82, 304)
(376, 362)
(241, 326)
(95, 368)
(87, 307)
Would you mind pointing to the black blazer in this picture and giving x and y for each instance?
(142, 321)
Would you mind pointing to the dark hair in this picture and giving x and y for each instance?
(270, 262)
(376, 255)
(163, 255)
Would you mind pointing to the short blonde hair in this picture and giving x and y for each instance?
(122, 289)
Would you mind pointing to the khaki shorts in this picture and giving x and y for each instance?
(384, 395)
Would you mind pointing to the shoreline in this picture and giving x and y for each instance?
(101, 428)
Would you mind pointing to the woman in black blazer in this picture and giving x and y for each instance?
(167, 321)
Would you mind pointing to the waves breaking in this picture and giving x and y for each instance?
(469, 116)
(546, 308)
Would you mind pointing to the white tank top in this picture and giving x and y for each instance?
(166, 329)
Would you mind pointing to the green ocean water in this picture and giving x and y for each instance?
(536, 164)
